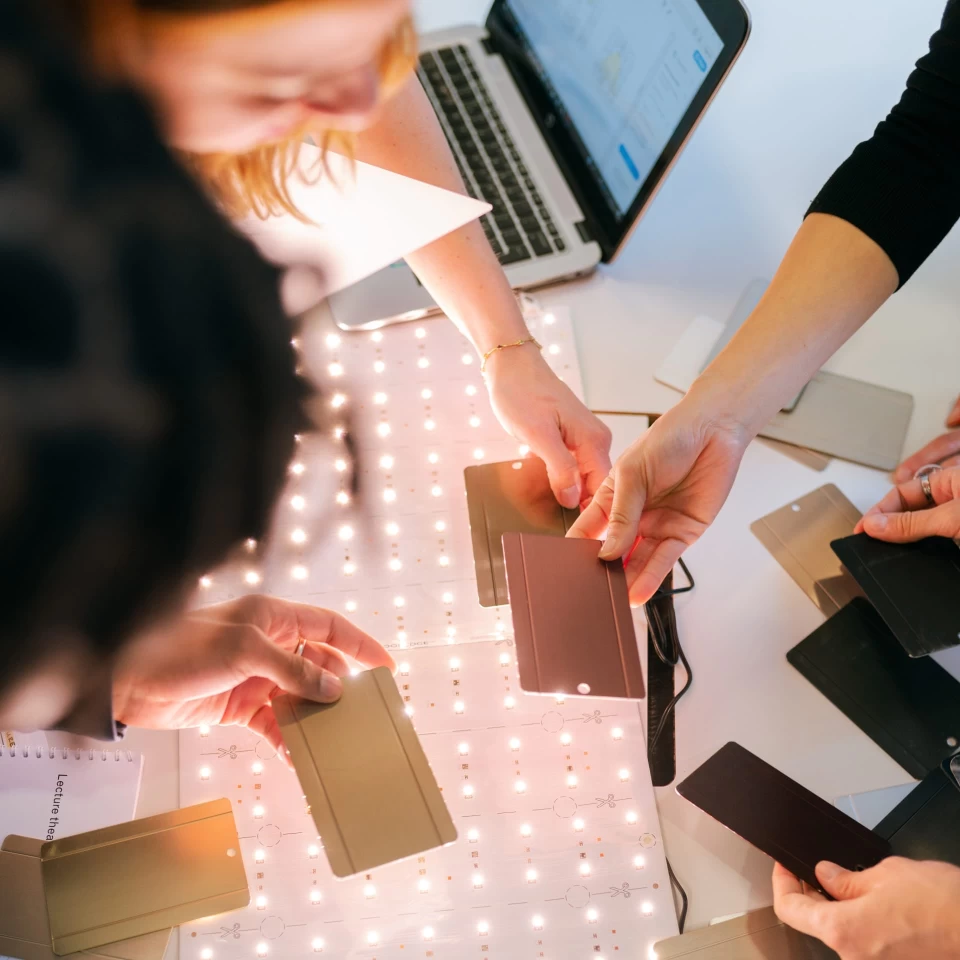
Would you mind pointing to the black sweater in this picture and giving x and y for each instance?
(902, 186)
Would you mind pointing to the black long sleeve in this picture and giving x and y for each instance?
(902, 186)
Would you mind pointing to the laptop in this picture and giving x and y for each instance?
(566, 116)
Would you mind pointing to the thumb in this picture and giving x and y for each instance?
(953, 420)
(623, 520)
(942, 521)
(842, 884)
(562, 467)
(291, 672)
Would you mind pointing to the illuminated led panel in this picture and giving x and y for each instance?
(541, 867)
(582, 861)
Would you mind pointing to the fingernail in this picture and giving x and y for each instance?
(570, 497)
(330, 686)
(877, 521)
(608, 551)
(828, 871)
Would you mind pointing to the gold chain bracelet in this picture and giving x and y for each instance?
(505, 346)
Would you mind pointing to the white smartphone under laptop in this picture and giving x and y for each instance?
(566, 116)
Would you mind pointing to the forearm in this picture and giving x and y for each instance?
(460, 270)
(831, 281)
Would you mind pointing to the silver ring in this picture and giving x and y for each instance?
(927, 492)
(926, 470)
(300, 647)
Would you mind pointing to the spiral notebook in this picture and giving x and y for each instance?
(47, 793)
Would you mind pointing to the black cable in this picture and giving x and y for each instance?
(685, 903)
(672, 705)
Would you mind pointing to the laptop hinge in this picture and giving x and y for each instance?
(586, 234)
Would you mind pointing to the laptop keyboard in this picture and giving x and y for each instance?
(519, 227)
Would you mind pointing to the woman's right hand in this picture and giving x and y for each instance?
(945, 450)
(663, 492)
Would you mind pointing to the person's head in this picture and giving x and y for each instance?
(239, 83)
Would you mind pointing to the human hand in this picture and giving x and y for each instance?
(945, 450)
(661, 495)
(225, 663)
(536, 407)
(897, 910)
(905, 515)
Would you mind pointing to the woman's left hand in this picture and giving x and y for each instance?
(897, 910)
(905, 514)
(541, 411)
(224, 664)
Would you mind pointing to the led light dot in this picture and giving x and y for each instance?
(433, 458)
(315, 896)
(440, 526)
(338, 401)
(639, 863)
(427, 933)
(514, 744)
(299, 536)
(429, 424)
(436, 491)
(426, 393)
(592, 915)
(257, 767)
(261, 903)
(509, 702)
(379, 366)
(477, 880)
(572, 780)
(467, 790)
(298, 469)
(349, 568)
(343, 498)
(471, 390)
(369, 891)
(251, 545)
(447, 597)
(454, 664)
(478, 454)
(350, 606)
(549, 319)
(624, 774)
(333, 341)
(398, 601)
(473, 835)
(459, 707)
(204, 773)
(420, 333)
(584, 869)
(463, 749)
(206, 954)
(423, 363)
(423, 885)
(376, 336)
(262, 949)
(504, 659)
(345, 532)
(386, 462)
(520, 787)
(451, 631)
(335, 369)
(316, 945)
(252, 577)
(646, 908)
(297, 502)
(408, 710)
(616, 733)
(258, 812)
(259, 856)
(561, 700)
(578, 825)
(206, 583)
(474, 421)
(404, 669)
(631, 817)
(467, 359)
(444, 561)
(340, 465)
(389, 495)
(380, 398)
(204, 731)
(395, 565)
(531, 876)
(393, 529)
(566, 739)
(554, 349)
(383, 429)
(373, 938)
(524, 450)
(483, 928)
(537, 923)
(526, 830)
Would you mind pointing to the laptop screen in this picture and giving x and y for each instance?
(622, 74)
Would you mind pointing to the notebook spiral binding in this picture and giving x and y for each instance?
(64, 753)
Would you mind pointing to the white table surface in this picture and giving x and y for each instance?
(815, 79)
